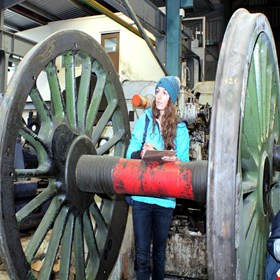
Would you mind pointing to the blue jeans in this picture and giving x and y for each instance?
(150, 222)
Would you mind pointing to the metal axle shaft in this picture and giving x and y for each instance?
(115, 175)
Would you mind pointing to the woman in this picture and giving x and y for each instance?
(157, 129)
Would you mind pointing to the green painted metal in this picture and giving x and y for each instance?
(96, 99)
(173, 37)
(43, 228)
(66, 244)
(186, 4)
(84, 92)
(55, 91)
(243, 185)
(86, 99)
(26, 210)
(70, 88)
(260, 130)
(53, 246)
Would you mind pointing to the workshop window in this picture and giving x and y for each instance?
(111, 43)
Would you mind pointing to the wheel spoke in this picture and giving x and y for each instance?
(249, 185)
(94, 257)
(257, 248)
(83, 94)
(66, 248)
(258, 81)
(43, 228)
(250, 208)
(70, 88)
(42, 155)
(251, 133)
(79, 249)
(253, 250)
(37, 201)
(97, 96)
(57, 232)
(273, 113)
(57, 103)
(110, 143)
(103, 121)
(98, 217)
(250, 154)
(260, 57)
(270, 99)
(42, 111)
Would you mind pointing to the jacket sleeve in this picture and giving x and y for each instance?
(275, 234)
(135, 144)
(182, 142)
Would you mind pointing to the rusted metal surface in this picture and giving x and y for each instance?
(123, 176)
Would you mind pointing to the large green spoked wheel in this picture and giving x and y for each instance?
(83, 231)
(243, 184)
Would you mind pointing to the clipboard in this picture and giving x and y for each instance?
(159, 155)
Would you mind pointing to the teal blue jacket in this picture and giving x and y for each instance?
(181, 143)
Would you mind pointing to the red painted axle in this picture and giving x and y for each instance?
(114, 175)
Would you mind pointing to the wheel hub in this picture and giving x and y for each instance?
(67, 149)
(80, 146)
(266, 186)
(61, 142)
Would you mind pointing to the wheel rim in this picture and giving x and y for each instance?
(83, 104)
(243, 188)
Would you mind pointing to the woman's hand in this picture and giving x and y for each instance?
(148, 146)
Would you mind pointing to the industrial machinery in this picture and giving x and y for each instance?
(86, 217)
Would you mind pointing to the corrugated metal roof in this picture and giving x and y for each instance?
(16, 22)
(33, 13)
(28, 14)
(64, 9)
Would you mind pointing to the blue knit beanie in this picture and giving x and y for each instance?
(171, 84)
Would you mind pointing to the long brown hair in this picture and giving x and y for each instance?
(168, 123)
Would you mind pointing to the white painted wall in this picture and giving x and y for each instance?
(136, 59)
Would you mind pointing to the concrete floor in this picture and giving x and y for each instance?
(3, 273)
(117, 271)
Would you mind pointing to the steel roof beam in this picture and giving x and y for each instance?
(149, 15)
(29, 14)
(96, 5)
(6, 4)
(39, 11)
(143, 33)
(14, 44)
